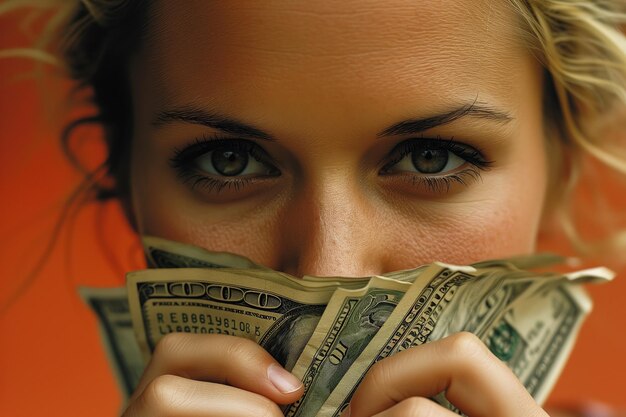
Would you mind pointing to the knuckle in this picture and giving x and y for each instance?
(466, 344)
(170, 344)
(469, 354)
(161, 394)
(239, 348)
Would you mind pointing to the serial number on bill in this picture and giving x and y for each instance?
(204, 323)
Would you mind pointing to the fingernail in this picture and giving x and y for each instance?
(284, 381)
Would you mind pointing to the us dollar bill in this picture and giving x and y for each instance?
(510, 312)
(349, 322)
(111, 308)
(527, 320)
(277, 312)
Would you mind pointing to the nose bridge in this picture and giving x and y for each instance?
(327, 230)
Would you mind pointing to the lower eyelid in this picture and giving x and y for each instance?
(440, 184)
(212, 185)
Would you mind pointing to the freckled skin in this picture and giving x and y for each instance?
(325, 78)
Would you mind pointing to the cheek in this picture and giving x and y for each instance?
(251, 238)
(496, 232)
(499, 219)
(487, 231)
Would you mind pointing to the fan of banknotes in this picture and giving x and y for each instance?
(330, 331)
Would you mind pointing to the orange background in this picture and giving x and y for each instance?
(51, 359)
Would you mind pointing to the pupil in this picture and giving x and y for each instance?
(430, 161)
(228, 162)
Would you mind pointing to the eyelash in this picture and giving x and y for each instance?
(440, 184)
(183, 162)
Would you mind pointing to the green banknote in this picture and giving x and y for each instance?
(350, 321)
(330, 330)
(529, 321)
(280, 314)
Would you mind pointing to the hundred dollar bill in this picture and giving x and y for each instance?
(111, 304)
(350, 320)
(278, 313)
(528, 321)
(116, 329)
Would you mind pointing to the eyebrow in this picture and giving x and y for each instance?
(474, 109)
(199, 116)
(196, 115)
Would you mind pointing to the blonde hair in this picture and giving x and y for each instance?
(580, 43)
(582, 46)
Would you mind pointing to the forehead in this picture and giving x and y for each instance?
(347, 53)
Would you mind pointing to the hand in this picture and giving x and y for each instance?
(212, 375)
(474, 380)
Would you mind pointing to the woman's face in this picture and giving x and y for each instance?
(339, 138)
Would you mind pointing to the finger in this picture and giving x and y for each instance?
(416, 407)
(224, 360)
(169, 395)
(474, 380)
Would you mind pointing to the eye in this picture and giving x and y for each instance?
(216, 164)
(432, 157)
(429, 161)
(230, 161)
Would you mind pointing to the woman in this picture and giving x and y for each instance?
(344, 138)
